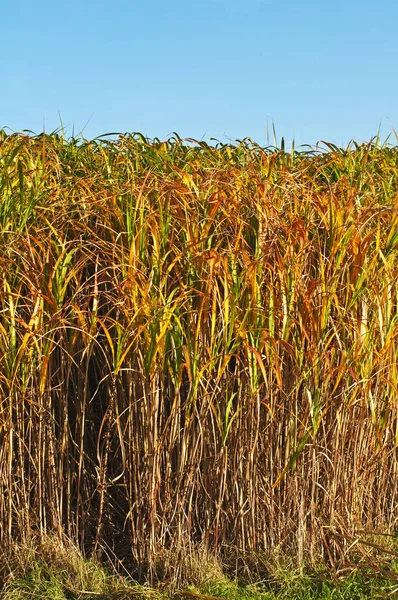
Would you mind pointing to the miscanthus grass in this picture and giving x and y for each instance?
(198, 350)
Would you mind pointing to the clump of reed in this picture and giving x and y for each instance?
(198, 347)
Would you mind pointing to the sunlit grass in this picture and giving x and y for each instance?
(47, 570)
(198, 348)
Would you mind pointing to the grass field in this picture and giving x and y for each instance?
(46, 571)
(198, 353)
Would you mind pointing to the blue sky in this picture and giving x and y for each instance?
(325, 69)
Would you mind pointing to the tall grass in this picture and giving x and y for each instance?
(198, 347)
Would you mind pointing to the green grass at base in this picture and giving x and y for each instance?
(53, 573)
(42, 586)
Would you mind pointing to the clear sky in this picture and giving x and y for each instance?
(317, 69)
